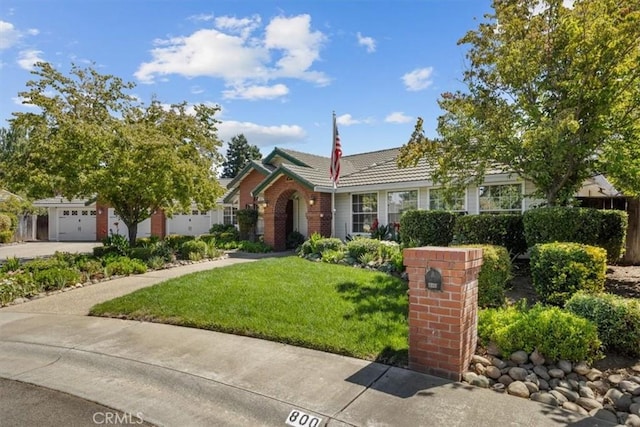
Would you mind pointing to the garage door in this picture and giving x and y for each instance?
(192, 224)
(76, 224)
(116, 226)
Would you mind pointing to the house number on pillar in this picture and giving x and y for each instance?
(433, 279)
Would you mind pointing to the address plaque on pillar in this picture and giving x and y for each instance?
(433, 279)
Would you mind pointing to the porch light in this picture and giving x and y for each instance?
(263, 203)
(312, 201)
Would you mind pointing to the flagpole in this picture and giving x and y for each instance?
(333, 193)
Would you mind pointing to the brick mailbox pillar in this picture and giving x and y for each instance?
(443, 308)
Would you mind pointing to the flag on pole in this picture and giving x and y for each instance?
(336, 154)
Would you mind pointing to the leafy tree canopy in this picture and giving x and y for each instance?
(91, 138)
(239, 153)
(553, 95)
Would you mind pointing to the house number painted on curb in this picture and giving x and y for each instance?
(300, 419)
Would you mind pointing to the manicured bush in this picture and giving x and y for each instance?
(362, 245)
(247, 221)
(225, 233)
(427, 228)
(56, 278)
(91, 268)
(123, 266)
(316, 244)
(254, 247)
(44, 264)
(333, 256)
(194, 250)
(555, 333)
(504, 230)
(175, 241)
(142, 253)
(604, 228)
(5, 222)
(494, 275)
(6, 236)
(294, 240)
(155, 262)
(617, 319)
(559, 270)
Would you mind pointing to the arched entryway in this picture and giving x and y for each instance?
(289, 214)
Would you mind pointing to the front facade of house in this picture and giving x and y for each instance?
(293, 192)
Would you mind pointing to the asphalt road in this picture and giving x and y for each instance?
(30, 250)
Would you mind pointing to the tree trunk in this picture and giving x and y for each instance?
(632, 254)
(133, 233)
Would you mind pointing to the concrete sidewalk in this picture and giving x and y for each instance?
(177, 376)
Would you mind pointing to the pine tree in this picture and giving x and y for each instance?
(239, 154)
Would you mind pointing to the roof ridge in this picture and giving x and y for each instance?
(372, 152)
(372, 166)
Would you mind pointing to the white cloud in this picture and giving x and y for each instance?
(288, 48)
(260, 135)
(28, 58)
(196, 90)
(33, 31)
(348, 120)
(418, 79)
(9, 35)
(201, 17)
(256, 92)
(367, 42)
(398, 117)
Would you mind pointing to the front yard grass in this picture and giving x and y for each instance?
(327, 307)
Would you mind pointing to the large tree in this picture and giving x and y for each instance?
(239, 153)
(89, 138)
(553, 95)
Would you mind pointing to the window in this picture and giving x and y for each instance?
(194, 212)
(399, 202)
(365, 211)
(437, 200)
(74, 213)
(500, 198)
(229, 215)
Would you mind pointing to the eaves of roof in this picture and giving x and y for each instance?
(252, 165)
(281, 170)
(277, 152)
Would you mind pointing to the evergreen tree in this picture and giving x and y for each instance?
(239, 154)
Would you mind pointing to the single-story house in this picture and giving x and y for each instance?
(80, 220)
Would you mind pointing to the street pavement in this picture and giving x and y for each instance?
(175, 376)
(29, 250)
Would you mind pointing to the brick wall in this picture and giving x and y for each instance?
(102, 221)
(443, 324)
(158, 224)
(248, 183)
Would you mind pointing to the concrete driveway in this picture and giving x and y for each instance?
(38, 249)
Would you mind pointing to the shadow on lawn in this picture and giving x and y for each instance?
(387, 297)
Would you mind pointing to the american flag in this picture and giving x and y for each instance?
(336, 153)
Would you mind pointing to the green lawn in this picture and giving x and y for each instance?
(327, 307)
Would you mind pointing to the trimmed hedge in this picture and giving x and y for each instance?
(559, 270)
(194, 250)
(362, 245)
(555, 333)
(604, 228)
(427, 228)
(506, 230)
(494, 275)
(617, 319)
(6, 236)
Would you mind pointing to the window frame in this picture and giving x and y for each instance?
(417, 191)
(375, 214)
(464, 195)
(501, 184)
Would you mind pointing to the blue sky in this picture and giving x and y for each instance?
(276, 68)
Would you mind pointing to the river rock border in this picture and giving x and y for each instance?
(577, 387)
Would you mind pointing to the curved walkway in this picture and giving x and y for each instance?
(178, 376)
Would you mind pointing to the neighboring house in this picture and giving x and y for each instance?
(293, 192)
(80, 220)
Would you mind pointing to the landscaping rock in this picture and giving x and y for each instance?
(532, 378)
(542, 384)
(575, 408)
(533, 388)
(618, 399)
(519, 357)
(585, 391)
(493, 349)
(479, 359)
(571, 395)
(614, 378)
(518, 374)
(632, 420)
(499, 387)
(505, 379)
(573, 384)
(566, 366)
(581, 368)
(493, 372)
(604, 415)
(572, 376)
(536, 358)
(559, 397)
(479, 368)
(20, 300)
(629, 387)
(542, 372)
(634, 408)
(589, 404)
(468, 376)
(598, 386)
(480, 381)
(635, 379)
(556, 373)
(518, 388)
(593, 374)
(498, 363)
(546, 398)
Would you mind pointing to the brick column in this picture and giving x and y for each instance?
(443, 323)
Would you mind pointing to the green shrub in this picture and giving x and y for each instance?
(118, 244)
(555, 333)
(316, 244)
(604, 228)
(175, 241)
(254, 247)
(6, 236)
(494, 275)
(559, 270)
(103, 251)
(44, 264)
(5, 223)
(504, 230)
(333, 256)
(224, 233)
(123, 266)
(155, 262)
(207, 238)
(92, 268)
(142, 253)
(56, 278)
(11, 264)
(617, 319)
(193, 250)
(212, 250)
(427, 228)
(294, 240)
(15, 286)
(247, 221)
(363, 245)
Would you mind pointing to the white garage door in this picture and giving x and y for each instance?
(76, 224)
(116, 226)
(192, 224)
